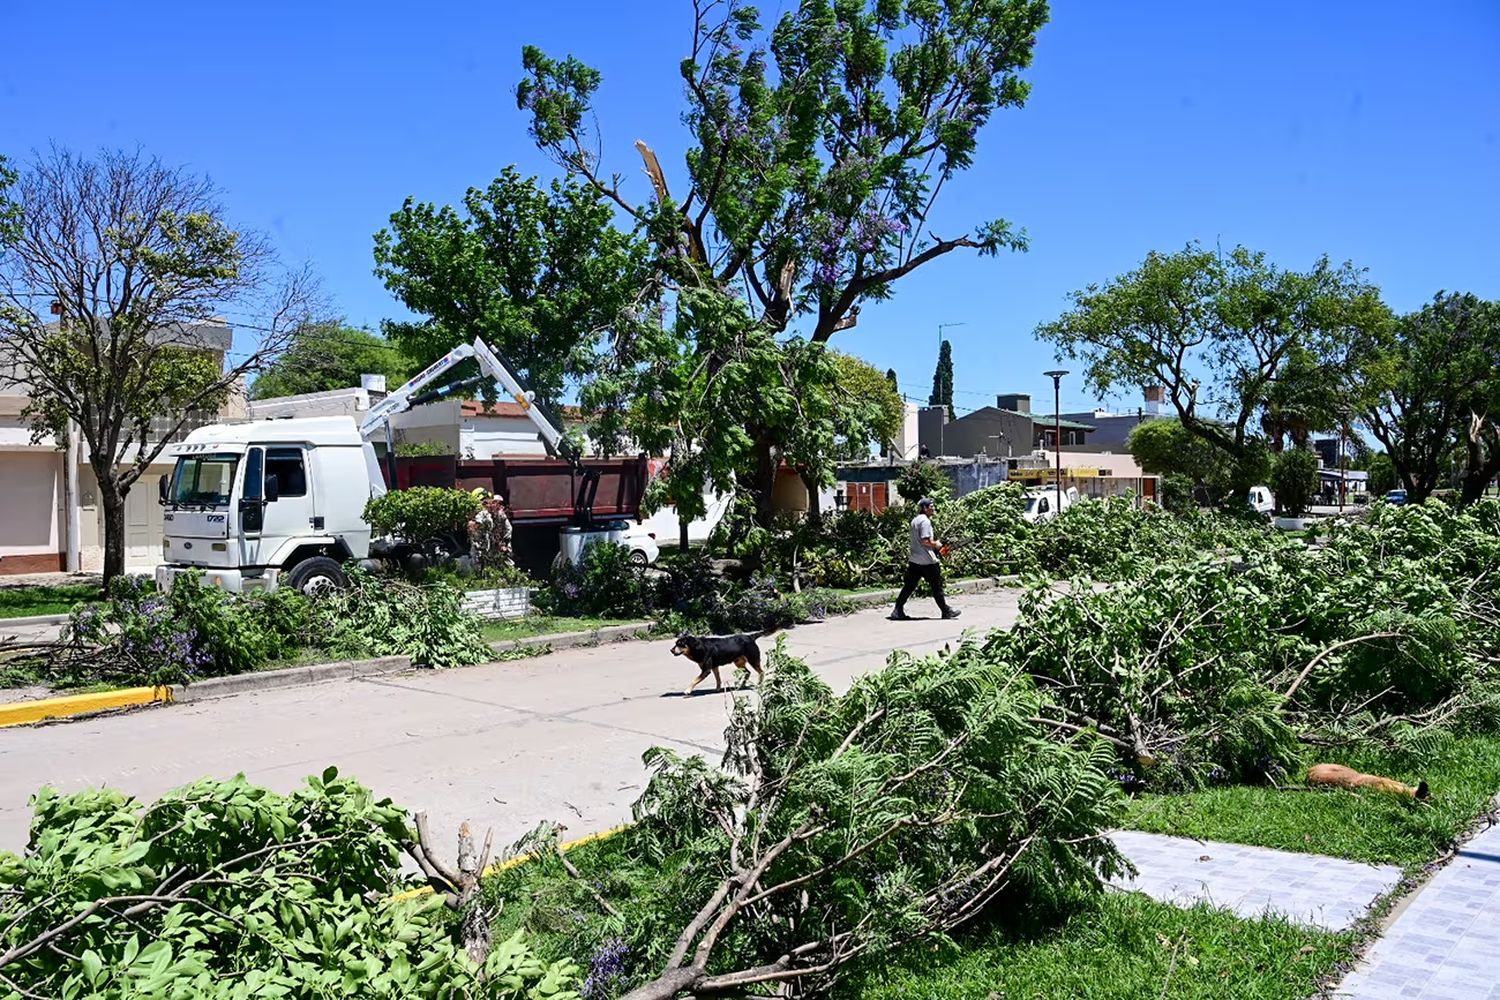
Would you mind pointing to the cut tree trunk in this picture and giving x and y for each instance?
(682, 534)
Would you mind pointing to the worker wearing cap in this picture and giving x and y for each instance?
(923, 563)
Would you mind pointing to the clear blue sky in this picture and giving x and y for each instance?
(1367, 131)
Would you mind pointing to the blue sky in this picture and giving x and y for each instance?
(1367, 131)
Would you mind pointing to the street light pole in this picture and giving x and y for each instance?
(1056, 377)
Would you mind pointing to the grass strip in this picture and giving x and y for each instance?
(26, 602)
(1120, 946)
(1463, 777)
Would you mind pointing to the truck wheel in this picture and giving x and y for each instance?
(317, 575)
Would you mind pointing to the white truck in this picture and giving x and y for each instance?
(269, 503)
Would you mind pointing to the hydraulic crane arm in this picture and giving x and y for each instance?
(492, 369)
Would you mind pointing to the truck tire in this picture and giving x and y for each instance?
(316, 575)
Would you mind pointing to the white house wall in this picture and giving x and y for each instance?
(31, 493)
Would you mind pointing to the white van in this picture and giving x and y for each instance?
(1262, 500)
(1042, 503)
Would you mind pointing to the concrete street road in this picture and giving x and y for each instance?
(557, 737)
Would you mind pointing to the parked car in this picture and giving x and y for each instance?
(642, 545)
(1262, 500)
(1396, 498)
(1041, 501)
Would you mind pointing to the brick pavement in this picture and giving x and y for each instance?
(1445, 945)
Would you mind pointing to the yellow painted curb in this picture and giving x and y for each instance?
(21, 713)
(514, 862)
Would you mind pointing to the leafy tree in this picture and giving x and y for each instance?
(1436, 386)
(924, 479)
(330, 355)
(1294, 480)
(1164, 447)
(1230, 337)
(1382, 474)
(134, 257)
(818, 150)
(942, 379)
(540, 273)
(890, 376)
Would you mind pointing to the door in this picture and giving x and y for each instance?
(143, 525)
(276, 481)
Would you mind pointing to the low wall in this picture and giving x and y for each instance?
(502, 602)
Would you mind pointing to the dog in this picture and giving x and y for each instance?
(711, 652)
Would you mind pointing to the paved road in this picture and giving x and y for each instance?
(558, 737)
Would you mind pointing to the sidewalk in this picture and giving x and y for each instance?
(1445, 944)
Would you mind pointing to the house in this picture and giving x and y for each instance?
(1112, 429)
(53, 520)
(1006, 430)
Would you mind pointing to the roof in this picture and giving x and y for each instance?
(322, 430)
(1036, 418)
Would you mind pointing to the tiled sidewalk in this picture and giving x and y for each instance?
(1446, 944)
(1255, 881)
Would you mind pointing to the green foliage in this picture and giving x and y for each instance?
(924, 479)
(330, 355)
(162, 259)
(1382, 474)
(222, 890)
(604, 585)
(1435, 388)
(1165, 447)
(537, 272)
(1294, 480)
(1234, 328)
(872, 405)
(422, 513)
(920, 796)
(942, 379)
(818, 147)
(419, 449)
(384, 616)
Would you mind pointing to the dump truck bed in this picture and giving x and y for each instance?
(536, 491)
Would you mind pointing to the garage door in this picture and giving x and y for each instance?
(143, 529)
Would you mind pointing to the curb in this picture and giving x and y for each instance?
(23, 713)
(271, 680)
(569, 640)
(33, 620)
(515, 862)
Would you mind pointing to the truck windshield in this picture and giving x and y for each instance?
(204, 480)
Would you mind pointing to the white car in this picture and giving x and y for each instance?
(642, 545)
(1262, 500)
(1041, 503)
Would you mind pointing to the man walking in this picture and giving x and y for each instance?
(923, 564)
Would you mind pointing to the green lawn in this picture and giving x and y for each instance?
(1121, 946)
(1115, 946)
(1360, 826)
(24, 602)
(524, 628)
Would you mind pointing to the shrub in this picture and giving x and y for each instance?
(1294, 480)
(384, 616)
(421, 513)
(222, 890)
(924, 479)
(604, 585)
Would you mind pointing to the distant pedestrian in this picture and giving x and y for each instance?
(923, 563)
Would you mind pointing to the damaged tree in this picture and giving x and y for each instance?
(849, 826)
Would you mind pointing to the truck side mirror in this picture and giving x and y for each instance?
(161, 489)
(272, 489)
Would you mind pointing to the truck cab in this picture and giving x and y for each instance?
(1042, 503)
(268, 503)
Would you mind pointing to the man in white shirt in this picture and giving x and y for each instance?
(923, 564)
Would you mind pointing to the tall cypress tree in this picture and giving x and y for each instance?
(890, 376)
(942, 379)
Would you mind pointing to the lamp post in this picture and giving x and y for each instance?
(1056, 377)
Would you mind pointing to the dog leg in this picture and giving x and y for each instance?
(718, 681)
(742, 663)
(696, 681)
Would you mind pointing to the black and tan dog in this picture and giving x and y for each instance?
(711, 652)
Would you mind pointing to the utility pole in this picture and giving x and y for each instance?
(1056, 377)
(941, 328)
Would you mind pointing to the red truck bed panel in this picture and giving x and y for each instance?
(537, 491)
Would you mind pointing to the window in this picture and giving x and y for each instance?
(291, 475)
(204, 480)
(254, 474)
